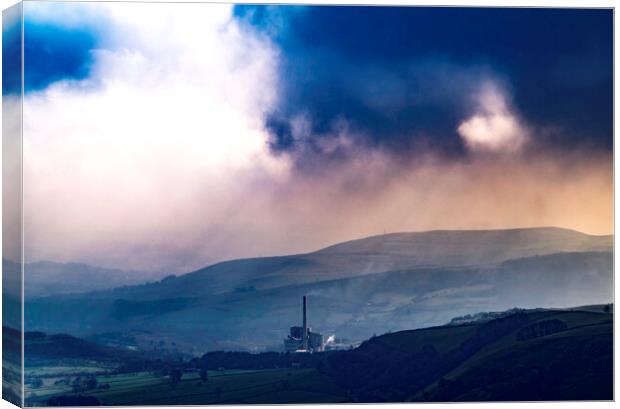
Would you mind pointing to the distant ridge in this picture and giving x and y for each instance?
(375, 254)
(356, 288)
(43, 278)
(450, 236)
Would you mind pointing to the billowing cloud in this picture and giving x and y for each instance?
(166, 130)
(495, 127)
(163, 158)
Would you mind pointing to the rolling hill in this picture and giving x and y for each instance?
(373, 285)
(44, 278)
(526, 356)
(376, 254)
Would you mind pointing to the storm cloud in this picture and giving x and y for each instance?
(204, 132)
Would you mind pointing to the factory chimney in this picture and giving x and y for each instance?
(305, 328)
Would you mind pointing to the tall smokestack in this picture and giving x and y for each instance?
(305, 329)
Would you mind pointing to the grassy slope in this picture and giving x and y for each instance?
(442, 338)
(576, 320)
(546, 352)
(573, 365)
(266, 386)
(484, 361)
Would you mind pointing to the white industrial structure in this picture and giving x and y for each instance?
(302, 339)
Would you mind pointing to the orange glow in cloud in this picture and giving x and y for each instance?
(163, 169)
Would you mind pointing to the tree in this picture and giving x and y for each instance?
(175, 376)
(204, 375)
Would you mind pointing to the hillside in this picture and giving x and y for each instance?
(529, 355)
(377, 254)
(45, 278)
(45, 347)
(533, 355)
(473, 247)
(351, 307)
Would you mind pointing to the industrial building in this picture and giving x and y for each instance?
(302, 339)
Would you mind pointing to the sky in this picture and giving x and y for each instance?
(165, 137)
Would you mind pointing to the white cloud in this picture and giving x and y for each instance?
(166, 131)
(494, 127)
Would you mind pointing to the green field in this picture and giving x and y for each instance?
(264, 386)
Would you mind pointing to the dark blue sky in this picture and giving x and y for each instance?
(53, 53)
(398, 72)
(400, 76)
(11, 50)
